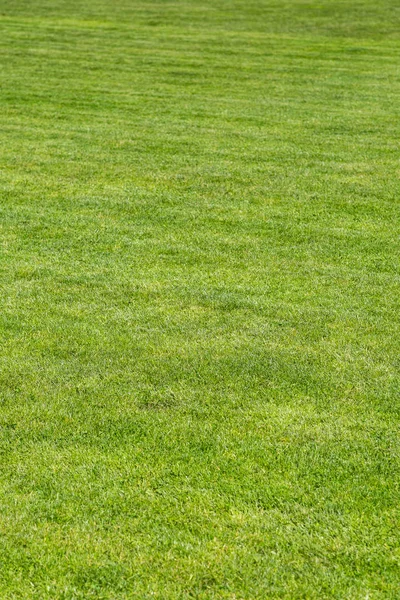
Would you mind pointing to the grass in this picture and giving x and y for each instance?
(199, 308)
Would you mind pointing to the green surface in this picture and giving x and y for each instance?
(200, 294)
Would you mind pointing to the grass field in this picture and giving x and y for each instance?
(200, 299)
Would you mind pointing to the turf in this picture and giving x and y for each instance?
(200, 294)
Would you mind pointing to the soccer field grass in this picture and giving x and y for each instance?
(200, 299)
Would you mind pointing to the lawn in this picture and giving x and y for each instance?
(200, 299)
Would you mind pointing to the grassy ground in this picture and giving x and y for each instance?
(200, 294)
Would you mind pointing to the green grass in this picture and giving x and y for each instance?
(200, 299)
